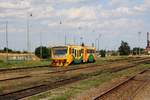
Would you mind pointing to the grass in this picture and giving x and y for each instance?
(63, 93)
(19, 64)
(104, 60)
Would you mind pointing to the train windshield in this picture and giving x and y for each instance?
(60, 51)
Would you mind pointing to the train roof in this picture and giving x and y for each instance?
(76, 46)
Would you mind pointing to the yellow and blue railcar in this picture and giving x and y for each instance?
(71, 54)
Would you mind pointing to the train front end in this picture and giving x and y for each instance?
(59, 56)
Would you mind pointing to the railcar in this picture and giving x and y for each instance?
(72, 54)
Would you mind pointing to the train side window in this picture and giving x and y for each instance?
(70, 51)
(88, 51)
(80, 52)
(75, 52)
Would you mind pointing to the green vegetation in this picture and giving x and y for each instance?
(11, 51)
(43, 52)
(20, 64)
(103, 53)
(63, 93)
(124, 49)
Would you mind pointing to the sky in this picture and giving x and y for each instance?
(110, 21)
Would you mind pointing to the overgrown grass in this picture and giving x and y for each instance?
(64, 93)
(19, 64)
(104, 60)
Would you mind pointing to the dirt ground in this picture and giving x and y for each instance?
(144, 93)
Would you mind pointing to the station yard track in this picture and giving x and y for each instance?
(51, 85)
(134, 63)
(127, 89)
(7, 70)
(22, 68)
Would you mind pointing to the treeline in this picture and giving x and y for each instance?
(123, 50)
(43, 52)
(5, 50)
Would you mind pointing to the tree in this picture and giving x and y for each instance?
(103, 53)
(124, 49)
(9, 50)
(45, 52)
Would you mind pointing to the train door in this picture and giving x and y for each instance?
(85, 55)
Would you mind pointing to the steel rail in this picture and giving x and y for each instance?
(118, 85)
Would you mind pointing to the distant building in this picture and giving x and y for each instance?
(19, 57)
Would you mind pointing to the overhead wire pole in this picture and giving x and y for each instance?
(81, 40)
(7, 41)
(99, 40)
(95, 39)
(28, 36)
(74, 40)
(95, 42)
(41, 45)
(79, 29)
(65, 39)
(139, 33)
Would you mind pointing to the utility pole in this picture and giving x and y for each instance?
(7, 41)
(95, 42)
(81, 40)
(99, 40)
(74, 40)
(28, 36)
(41, 45)
(65, 39)
(139, 33)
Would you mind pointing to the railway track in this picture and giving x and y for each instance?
(137, 61)
(23, 68)
(125, 90)
(45, 66)
(38, 89)
(15, 78)
(51, 85)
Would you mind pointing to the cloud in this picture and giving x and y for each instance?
(118, 17)
(17, 5)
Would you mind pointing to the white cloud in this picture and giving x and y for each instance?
(15, 5)
(82, 13)
(115, 17)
